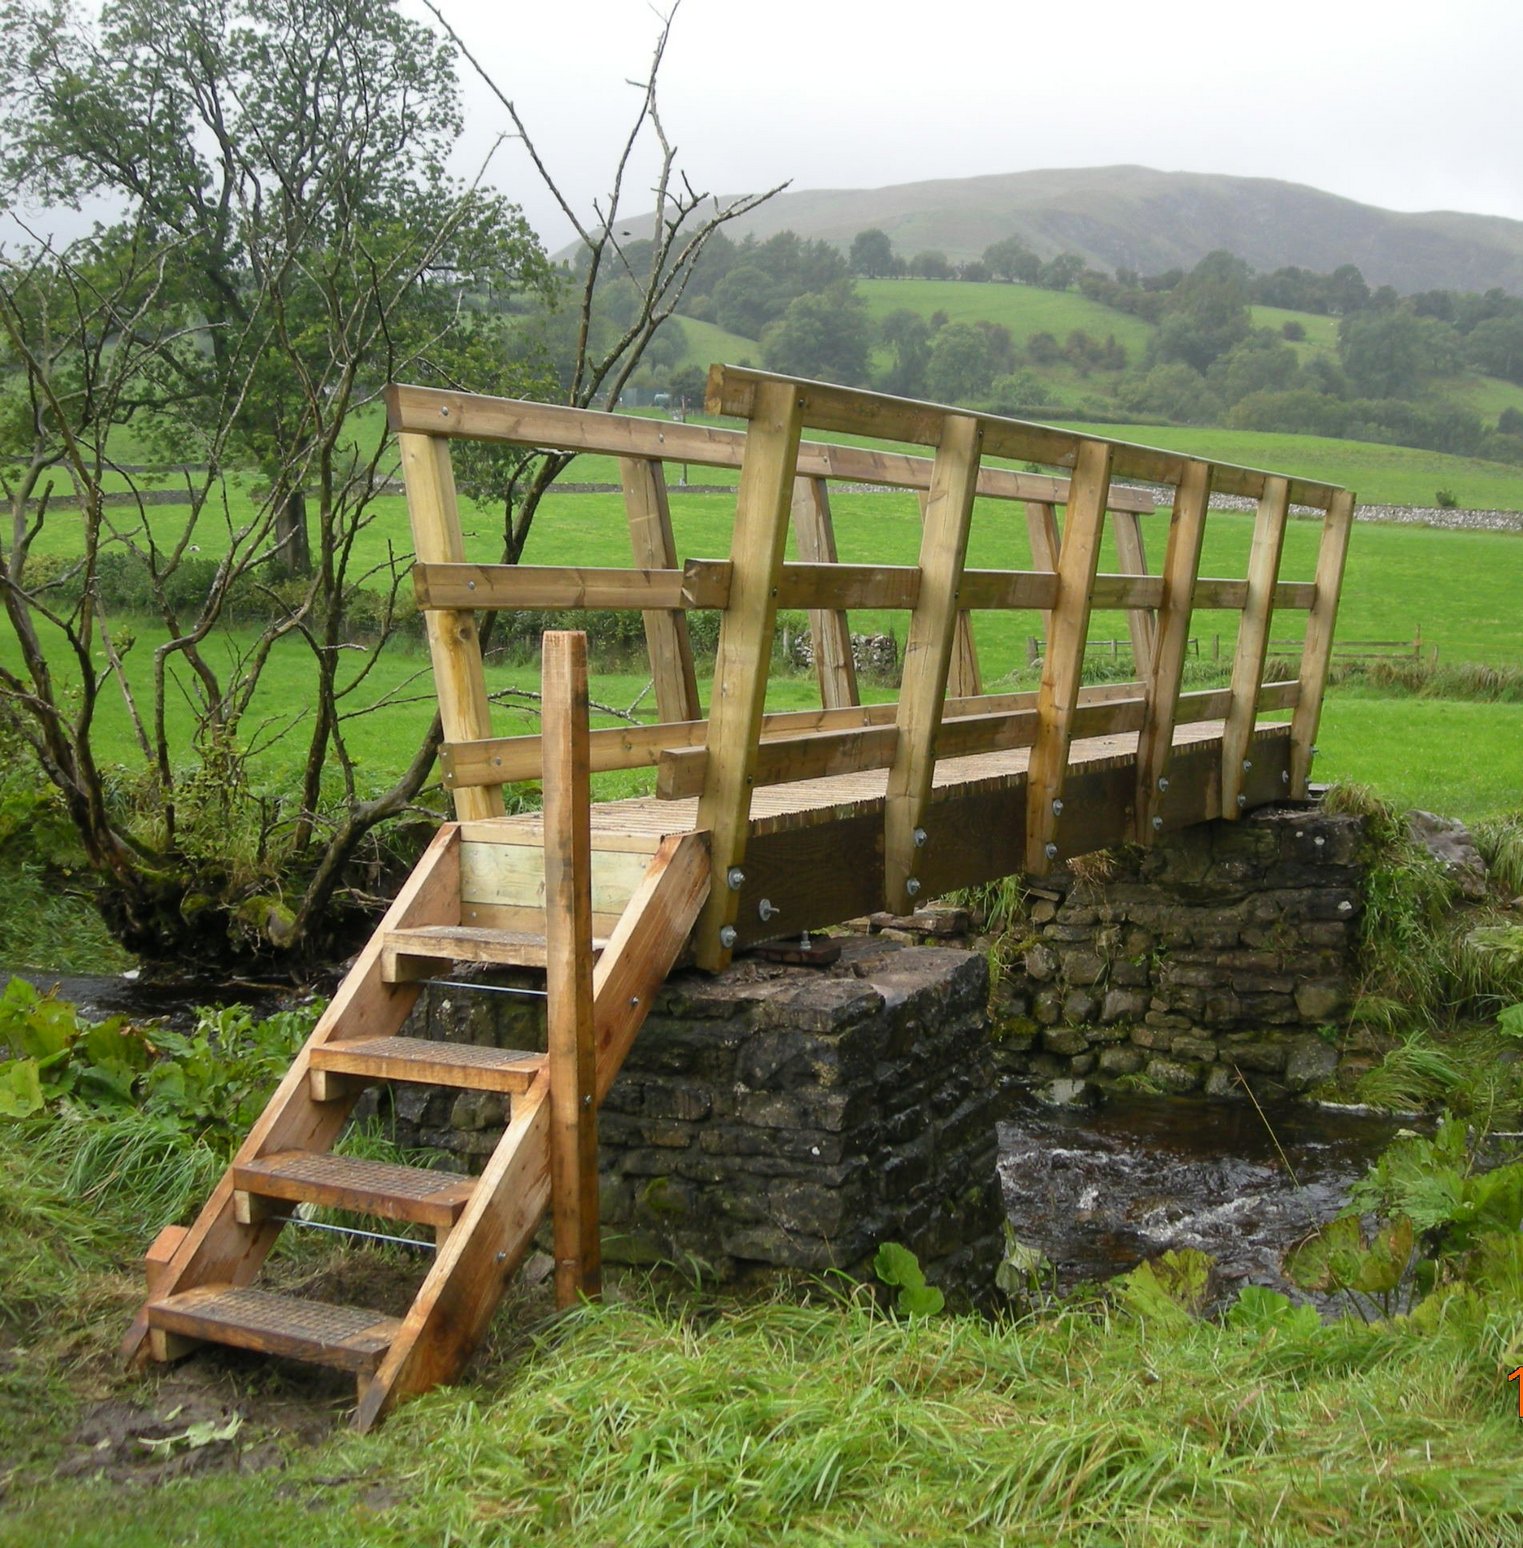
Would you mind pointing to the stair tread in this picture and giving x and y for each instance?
(349, 1337)
(428, 1062)
(472, 943)
(382, 1188)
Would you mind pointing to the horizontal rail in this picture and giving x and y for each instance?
(700, 583)
(510, 759)
(814, 744)
(850, 411)
(551, 427)
(705, 583)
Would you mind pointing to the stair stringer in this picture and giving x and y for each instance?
(470, 1273)
(217, 1249)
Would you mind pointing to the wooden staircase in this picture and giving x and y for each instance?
(200, 1279)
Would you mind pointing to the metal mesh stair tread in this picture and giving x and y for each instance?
(382, 1188)
(349, 1337)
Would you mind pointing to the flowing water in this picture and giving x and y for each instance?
(1099, 1190)
(1095, 1190)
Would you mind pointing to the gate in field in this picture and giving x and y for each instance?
(760, 824)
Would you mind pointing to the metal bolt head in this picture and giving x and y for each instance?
(1284, 776)
(912, 886)
(1312, 749)
(1247, 764)
(1163, 783)
(1057, 808)
(1158, 825)
(1242, 801)
(919, 836)
(766, 909)
(1050, 850)
(736, 878)
(728, 936)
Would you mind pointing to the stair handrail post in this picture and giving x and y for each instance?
(570, 1042)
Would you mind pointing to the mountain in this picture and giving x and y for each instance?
(1139, 218)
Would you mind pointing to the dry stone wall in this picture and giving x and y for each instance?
(793, 1117)
(1216, 955)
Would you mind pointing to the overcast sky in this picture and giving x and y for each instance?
(1344, 95)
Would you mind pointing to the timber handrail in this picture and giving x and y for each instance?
(721, 758)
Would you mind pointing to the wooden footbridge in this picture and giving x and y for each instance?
(761, 824)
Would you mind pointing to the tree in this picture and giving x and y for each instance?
(283, 238)
(872, 254)
(960, 368)
(825, 335)
(1206, 313)
(930, 264)
(1496, 346)
(1394, 354)
(1060, 272)
(908, 334)
(747, 299)
(1012, 260)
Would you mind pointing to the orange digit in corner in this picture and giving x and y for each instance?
(1514, 1377)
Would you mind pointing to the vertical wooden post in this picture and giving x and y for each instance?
(655, 548)
(828, 627)
(1253, 640)
(453, 643)
(745, 648)
(1316, 653)
(1078, 556)
(1181, 567)
(963, 677)
(928, 654)
(568, 969)
(1141, 622)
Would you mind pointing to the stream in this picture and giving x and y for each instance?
(1095, 1190)
(1099, 1190)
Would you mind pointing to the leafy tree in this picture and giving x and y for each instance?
(283, 238)
(1496, 346)
(1206, 313)
(1175, 391)
(908, 334)
(961, 367)
(1261, 363)
(1012, 260)
(824, 335)
(1346, 290)
(872, 254)
(1060, 272)
(930, 265)
(747, 299)
(1394, 354)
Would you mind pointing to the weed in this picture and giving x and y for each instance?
(1500, 841)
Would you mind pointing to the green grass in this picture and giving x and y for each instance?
(1321, 332)
(1023, 309)
(707, 343)
(1463, 760)
(642, 1424)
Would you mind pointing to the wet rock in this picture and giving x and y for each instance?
(1066, 1041)
(1173, 1074)
(1321, 999)
(1066, 1092)
(1450, 843)
(1310, 1062)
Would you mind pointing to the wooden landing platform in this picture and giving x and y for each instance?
(814, 848)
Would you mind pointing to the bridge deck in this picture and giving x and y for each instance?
(814, 847)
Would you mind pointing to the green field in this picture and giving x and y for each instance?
(1458, 588)
(1023, 309)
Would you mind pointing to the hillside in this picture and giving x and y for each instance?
(1139, 218)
